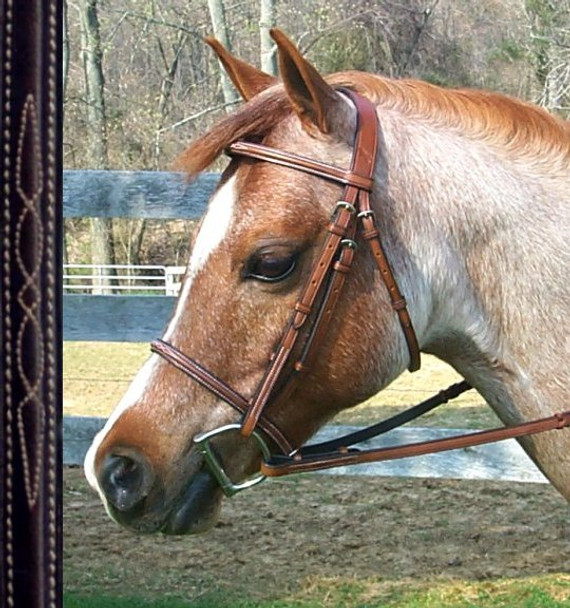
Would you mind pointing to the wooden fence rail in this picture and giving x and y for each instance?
(142, 194)
(127, 194)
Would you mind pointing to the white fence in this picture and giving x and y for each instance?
(114, 278)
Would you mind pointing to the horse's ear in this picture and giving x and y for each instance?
(311, 96)
(247, 79)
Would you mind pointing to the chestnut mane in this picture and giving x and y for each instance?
(518, 127)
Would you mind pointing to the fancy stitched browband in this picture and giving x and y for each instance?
(308, 324)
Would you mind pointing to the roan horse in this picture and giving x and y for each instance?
(471, 195)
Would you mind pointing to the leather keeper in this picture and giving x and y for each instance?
(563, 420)
(302, 308)
(337, 230)
(340, 267)
(399, 304)
(299, 320)
(368, 235)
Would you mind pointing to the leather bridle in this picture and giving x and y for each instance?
(308, 325)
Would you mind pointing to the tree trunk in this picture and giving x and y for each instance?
(165, 92)
(218, 17)
(102, 244)
(267, 47)
(94, 84)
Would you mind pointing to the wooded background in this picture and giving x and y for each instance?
(139, 82)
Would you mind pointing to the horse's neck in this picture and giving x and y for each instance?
(479, 240)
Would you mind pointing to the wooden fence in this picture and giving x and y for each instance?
(126, 194)
(158, 195)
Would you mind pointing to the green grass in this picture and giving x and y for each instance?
(552, 591)
(96, 375)
(72, 600)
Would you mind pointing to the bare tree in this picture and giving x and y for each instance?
(170, 69)
(267, 48)
(218, 17)
(420, 25)
(135, 228)
(163, 87)
(65, 71)
(65, 49)
(102, 249)
(549, 48)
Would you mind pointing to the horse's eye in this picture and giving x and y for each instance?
(270, 267)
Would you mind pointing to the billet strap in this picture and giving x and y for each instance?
(281, 465)
(318, 329)
(337, 232)
(370, 234)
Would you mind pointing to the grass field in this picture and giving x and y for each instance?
(95, 377)
(546, 592)
(96, 374)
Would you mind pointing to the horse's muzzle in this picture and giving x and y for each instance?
(137, 498)
(126, 477)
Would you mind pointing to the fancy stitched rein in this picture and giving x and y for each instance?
(309, 322)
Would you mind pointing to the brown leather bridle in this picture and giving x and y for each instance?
(308, 325)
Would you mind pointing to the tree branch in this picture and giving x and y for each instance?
(185, 121)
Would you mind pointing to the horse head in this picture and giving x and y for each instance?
(451, 175)
(251, 255)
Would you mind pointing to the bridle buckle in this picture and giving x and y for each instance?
(202, 442)
(345, 205)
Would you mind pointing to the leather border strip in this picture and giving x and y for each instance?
(30, 272)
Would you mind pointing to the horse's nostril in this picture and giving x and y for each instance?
(125, 479)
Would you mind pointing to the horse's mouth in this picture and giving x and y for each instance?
(197, 508)
(186, 501)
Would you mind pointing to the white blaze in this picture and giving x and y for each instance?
(214, 228)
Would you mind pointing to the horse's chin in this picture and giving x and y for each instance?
(198, 507)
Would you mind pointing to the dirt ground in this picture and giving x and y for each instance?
(275, 539)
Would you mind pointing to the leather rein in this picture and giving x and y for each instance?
(307, 327)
